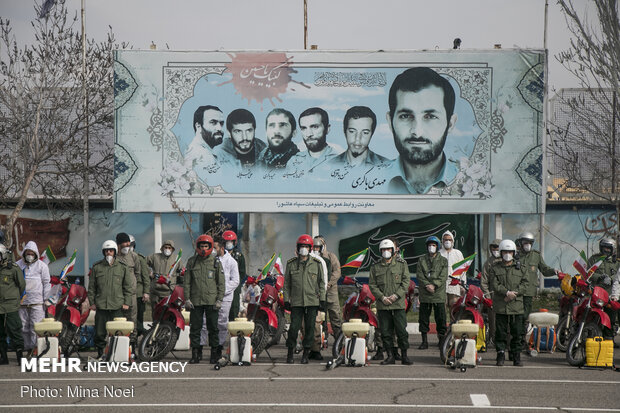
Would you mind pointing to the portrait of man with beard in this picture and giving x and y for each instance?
(241, 149)
(280, 128)
(314, 127)
(208, 127)
(421, 116)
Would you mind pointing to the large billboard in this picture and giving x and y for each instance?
(405, 132)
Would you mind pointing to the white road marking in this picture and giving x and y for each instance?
(282, 378)
(479, 400)
(323, 405)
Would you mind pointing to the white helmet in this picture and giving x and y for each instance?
(109, 245)
(507, 245)
(132, 240)
(4, 252)
(386, 243)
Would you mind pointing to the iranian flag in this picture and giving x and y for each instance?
(174, 264)
(580, 264)
(595, 266)
(355, 260)
(47, 256)
(461, 267)
(266, 268)
(278, 265)
(69, 267)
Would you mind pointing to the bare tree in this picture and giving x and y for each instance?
(55, 116)
(584, 132)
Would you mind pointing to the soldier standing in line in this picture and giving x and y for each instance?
(231, 246)
(12, 286)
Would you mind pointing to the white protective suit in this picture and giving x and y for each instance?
(453, 256)
(31, 310)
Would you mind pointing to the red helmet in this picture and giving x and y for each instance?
(207, 239)
(305, 239)
(229, 236)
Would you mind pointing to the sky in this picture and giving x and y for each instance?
(332, 25)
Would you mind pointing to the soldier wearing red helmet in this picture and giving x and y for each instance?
(204, 287)
(230, 239)
(304, 293)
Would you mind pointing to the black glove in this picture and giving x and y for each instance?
(322, 306)
(287, 306)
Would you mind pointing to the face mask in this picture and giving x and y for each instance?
(495, 254)
(507, 256)
(29, 258)
(125, 250)
(167, 252)
(387, 254)
(447, 244)
(527, 247)
(303, 251)
(109, 259)
(432, 249)
(229, 245)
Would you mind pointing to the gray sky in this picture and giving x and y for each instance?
(333, 24)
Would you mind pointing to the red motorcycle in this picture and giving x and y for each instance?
(469, 306)
(68, 310)
(168, 322)
(358, 305)
(569, 302)
(590, 320)
(267, 313)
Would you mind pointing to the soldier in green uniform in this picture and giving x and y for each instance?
(160, 264)
(432, 274)
(142, 288)
(231, 246)
(12, 286)
(388, 282)
(532, 262)
(604, 275)
(204, 287)
(304, 294)
(509, 282)
(110, 291)
(494, 256)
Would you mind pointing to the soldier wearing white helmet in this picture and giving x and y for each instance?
(388, 282)
(532, 262)
(110, 291)
(509, 282)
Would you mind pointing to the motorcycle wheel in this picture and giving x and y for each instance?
(281, 325)
(446, 346)
(260, 336)
(67, 338)
(563, 334)
(576, 352)
(337, 347)
(155, 348)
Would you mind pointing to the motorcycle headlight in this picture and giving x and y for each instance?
(76, 300)
(600, 302)
(367, 301)
(475, 301)
(269, 300)
(178, 303)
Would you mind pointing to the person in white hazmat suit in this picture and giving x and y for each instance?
(453, 256)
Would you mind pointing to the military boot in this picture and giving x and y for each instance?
(404, 359)
(501, 358)
(213, 357)
(395, 352)
(19, 353)
(99, 352)
(440, 340)
(304, 356)
(378, 355)
(219, 353)
(289, 355)
(424, 344)
(4, 358)
(195, 358)
(516, 359)
(390, 357)
(200, 353)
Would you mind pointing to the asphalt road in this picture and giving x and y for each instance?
(545, 383)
